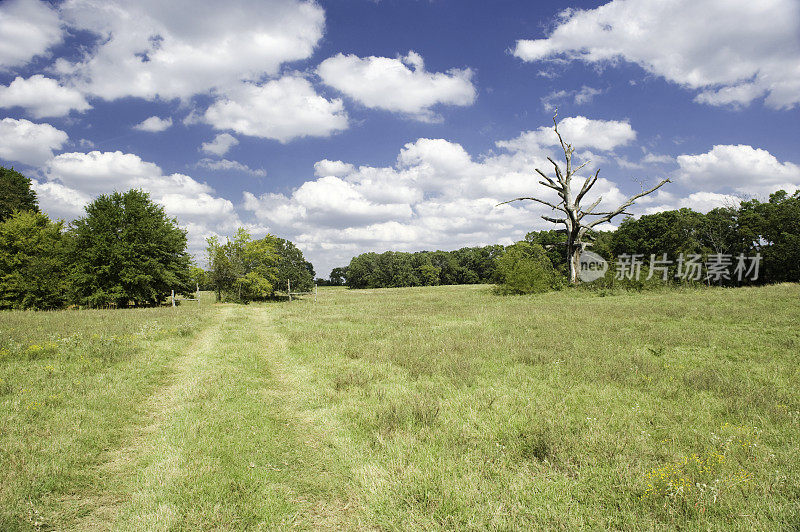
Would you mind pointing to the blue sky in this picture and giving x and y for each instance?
(357, 125)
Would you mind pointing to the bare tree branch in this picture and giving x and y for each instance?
(559, 175)
(567, 147)
(549, 180)
(555, 207)
(578, 169)
(543, 202)
(588, 211)
(550, 183)
(587, 186)
(606, 213)
(554, 187)
(620, 210)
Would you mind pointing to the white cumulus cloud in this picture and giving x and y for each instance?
(28, 143)
(220, 145)
(59, 201)
(335, 168)
(581, 132)
(154, 124)
(732, 51)
(42, 97)
(697, 201)
(28, 28)
(738, 168)
(579, 97)
(225, 164)
(399, 85)
(282, 109)
(152, 48)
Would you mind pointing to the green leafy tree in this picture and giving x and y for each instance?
(291, 265)
(426, 272)
(256, 264)
(361, 269)
(32, 262)
(601, 245)
(670, 232)
(16, 193)
(719, 231)
(242, 269)
(221, 275)
(773, 229)
(199, 277)
(486, 262)
(467, 260)
(448, 267)
(393, 269)
(525, 269)
(338, 276)
(423, 268)
(127, 250)
(554, 242)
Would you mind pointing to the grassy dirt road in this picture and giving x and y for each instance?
(224, 444)
(218, 442)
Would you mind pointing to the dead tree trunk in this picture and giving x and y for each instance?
(574, 219)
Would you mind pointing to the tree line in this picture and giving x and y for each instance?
(125, 251)
(769, 228)
(424, 268)
(527, 263)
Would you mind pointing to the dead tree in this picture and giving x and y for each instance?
(575, 220)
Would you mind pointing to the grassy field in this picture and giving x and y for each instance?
(416, 408)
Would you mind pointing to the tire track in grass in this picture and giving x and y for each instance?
(232, 443)
(325, 500)
(124, 464)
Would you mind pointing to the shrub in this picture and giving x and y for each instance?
(525, 268)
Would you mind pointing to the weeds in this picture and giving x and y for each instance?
(411, 412)
(350, 378)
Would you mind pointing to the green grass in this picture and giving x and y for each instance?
(417, 408)
(71, 386)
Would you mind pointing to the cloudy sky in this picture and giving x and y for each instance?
(356, 125)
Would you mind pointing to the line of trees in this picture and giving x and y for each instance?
(424, 268)
(125, 251)
(770, 228)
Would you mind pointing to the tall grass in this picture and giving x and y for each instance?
(71, 383)
(637, 410)
(416, 408)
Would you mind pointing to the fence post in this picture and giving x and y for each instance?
(289, 289)
(173, 298)
(315, 292)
